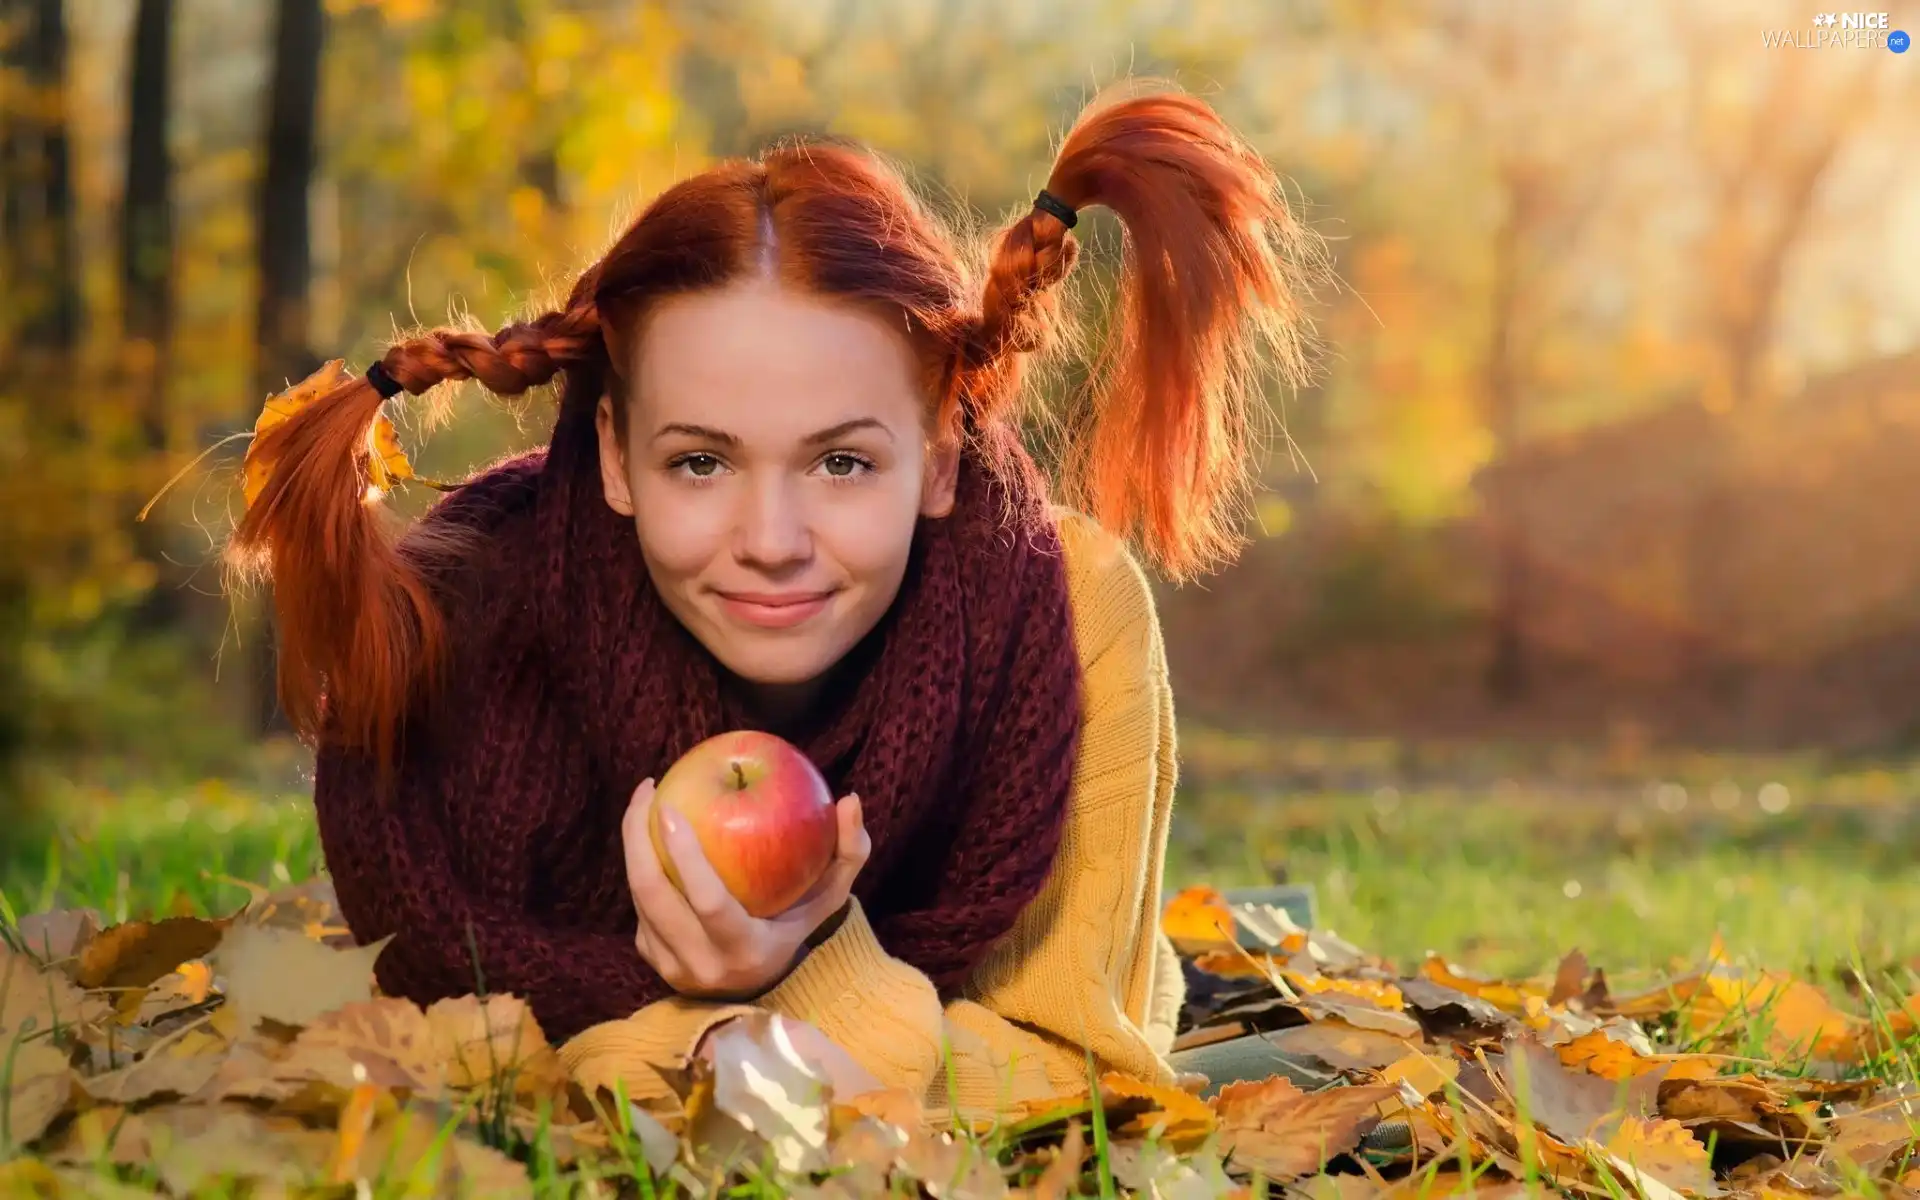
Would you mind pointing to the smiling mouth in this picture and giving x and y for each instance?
(773, 610)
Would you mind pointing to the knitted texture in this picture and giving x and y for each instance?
(1086, 969)
(495, 863)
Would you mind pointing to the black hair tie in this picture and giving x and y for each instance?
(385, 384)
(1057, 208)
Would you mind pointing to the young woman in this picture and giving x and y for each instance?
(785, 490)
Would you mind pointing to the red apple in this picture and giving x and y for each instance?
(761, 811)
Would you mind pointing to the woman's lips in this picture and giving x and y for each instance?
(773, 610)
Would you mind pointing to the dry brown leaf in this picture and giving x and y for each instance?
(1342, 1046)
(416, 1147)
(390, 1039)
(137, 953)
(34, 999)
(480, 1041)
(56, 937)
(280, 975)
(1662, 1150)
(1570, 1104)
(157, 1074)
(1284, 1133)
(1197, 919)
(1621, 1051)
(1176, 1117)
(1570, 979)
(38, 1083)
(195, 1146)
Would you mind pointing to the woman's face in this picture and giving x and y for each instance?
(775, 466)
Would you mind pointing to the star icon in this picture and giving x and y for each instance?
(1823, 19)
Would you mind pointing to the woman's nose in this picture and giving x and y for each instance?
(773, 528)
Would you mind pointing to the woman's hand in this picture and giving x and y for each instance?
(703, 943)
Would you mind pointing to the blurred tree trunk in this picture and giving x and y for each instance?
(1507, 675)
(285, 247)
(43, 273)
(40, 322)
(146, 273)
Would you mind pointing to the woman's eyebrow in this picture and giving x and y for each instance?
(834, 433)
(703, 432)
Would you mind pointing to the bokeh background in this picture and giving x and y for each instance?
(1584, 596)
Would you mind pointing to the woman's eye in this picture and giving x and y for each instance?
(700, 466)
(842, 466)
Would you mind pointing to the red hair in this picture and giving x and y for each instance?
(1215, 269)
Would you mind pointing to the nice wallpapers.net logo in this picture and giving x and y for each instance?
(1841, 31)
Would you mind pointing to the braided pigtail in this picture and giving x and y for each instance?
(360, 635)
(1214, 272)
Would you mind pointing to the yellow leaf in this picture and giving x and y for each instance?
(258, 467)
(1663, 1151)
(1504, 996)
(1198, 918)
(37, 1086)
(1424, 1073)
(1180, 1119)
(387, 464)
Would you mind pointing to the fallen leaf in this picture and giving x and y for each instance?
(58, 936)
(1197, 919)
(279, 975)
(1284, 1133)
(480, 1041)
(38, 1084)
(390, 1039)
(1342, 1046)
(761, 1081)
(1368, 991)
(1507, 997)
(1570, 979)
(1176, 1117)
(1664, 1151)
(34, 999)
(1570, 1104)
(135, 954)
(1423, 1072)
(158, 1074)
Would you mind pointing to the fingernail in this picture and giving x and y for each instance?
(670, 820)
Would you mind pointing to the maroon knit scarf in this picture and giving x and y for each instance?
(572, 682)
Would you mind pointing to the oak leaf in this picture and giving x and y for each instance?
(1284, 1133)
(1662, 1150)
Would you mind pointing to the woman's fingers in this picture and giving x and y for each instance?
(850, 854)
(662, 908)
(720, 914)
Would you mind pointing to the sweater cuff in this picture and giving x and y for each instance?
(632, 1052)
(877, 1008)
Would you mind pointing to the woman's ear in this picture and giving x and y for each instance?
(613, 461)
(942, 478)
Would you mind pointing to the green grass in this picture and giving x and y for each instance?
(1504, 876)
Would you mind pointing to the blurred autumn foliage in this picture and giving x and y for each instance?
(1614, 431)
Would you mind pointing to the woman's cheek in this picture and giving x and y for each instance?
(682, 529)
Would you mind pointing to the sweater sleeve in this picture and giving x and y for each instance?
(1083, 968)
(394, 876)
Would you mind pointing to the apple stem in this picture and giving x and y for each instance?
(739, 777)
